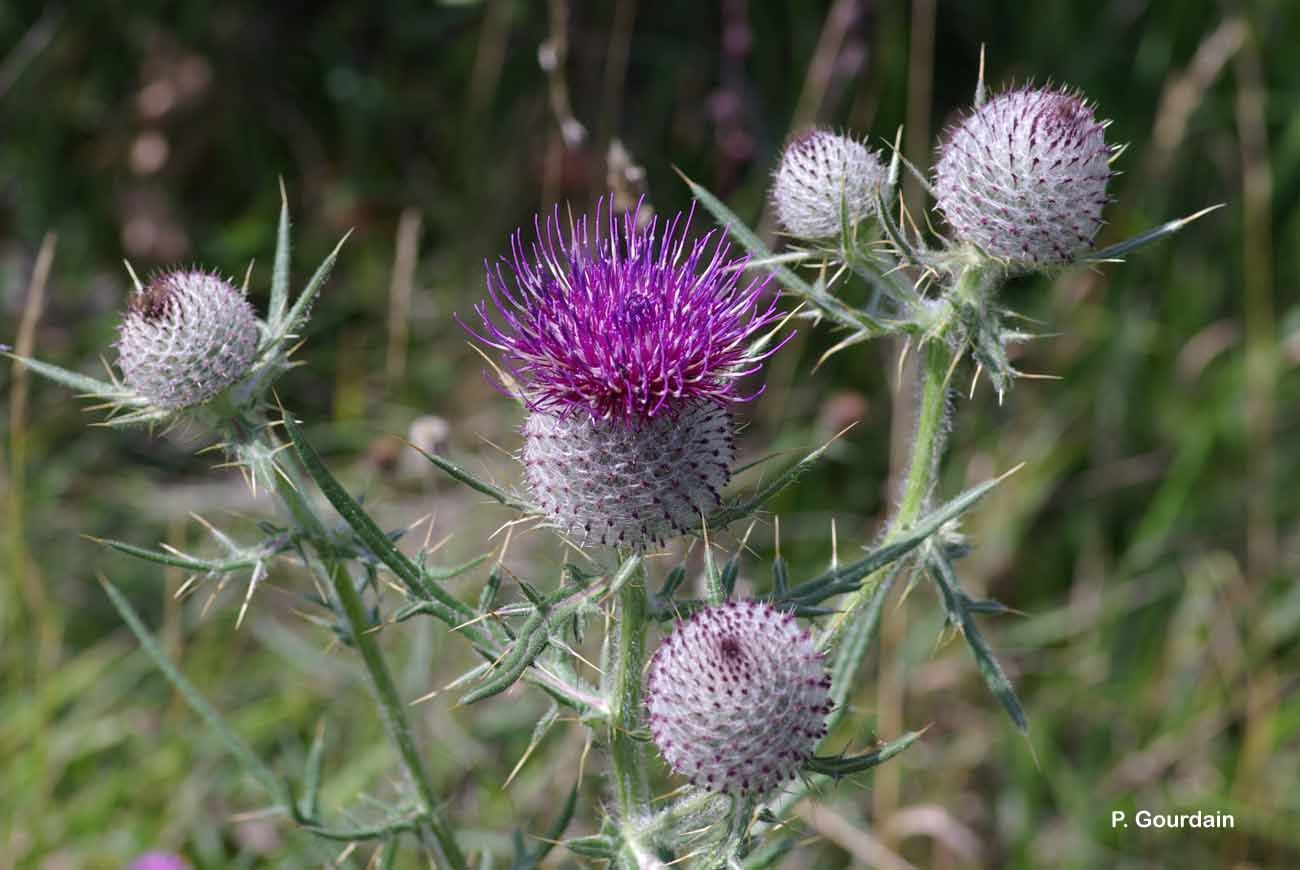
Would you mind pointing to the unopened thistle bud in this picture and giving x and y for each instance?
(823, 177)
(627, 344)
(186, 337)
(1024, 177)
(737, 698)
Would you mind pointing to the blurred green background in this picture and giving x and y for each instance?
(1151, 541)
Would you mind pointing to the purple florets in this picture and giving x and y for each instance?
(624, 322)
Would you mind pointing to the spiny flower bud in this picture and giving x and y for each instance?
(822, 176)
(737, 698)
(186, 337)
(628, 483)
(1024, 177)
(627, 344)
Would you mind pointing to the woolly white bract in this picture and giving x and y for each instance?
(821, 177)
(629, 483)
(186, 337)
(1024, 177)
(738, 697)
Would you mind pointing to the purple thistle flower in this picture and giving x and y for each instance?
(621, 321)
(627, 343)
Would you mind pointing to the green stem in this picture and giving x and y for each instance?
(922, 468)
(629, 762)
(930, 434)
(433, 829)
(394, 715)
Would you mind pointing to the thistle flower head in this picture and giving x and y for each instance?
(823, 176)
(623, 322)
(628, 483)
(738, 697)
(1024, 177)
(186, 337)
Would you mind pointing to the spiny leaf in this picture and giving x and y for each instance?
(441, 603)
(675, 578)
(1168, 228)
(540, 730)
(176, 561)
(487, 598)
(532, 640)
(438, 574)
(88, 386)
(465, 477)
(302, 305)
(626, 571)
(854, 641)
(960, 616)
(280, 272)
(744, 507)
(309, 806)
(730, 571)
(596, 846)
(844, 765)
(780, 577)
(846, 578)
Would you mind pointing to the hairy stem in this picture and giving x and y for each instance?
(631, 789)
(922, 468)
(927, 446)
(257, 448)
(443, 842)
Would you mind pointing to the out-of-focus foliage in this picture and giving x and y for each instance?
(1152, 540)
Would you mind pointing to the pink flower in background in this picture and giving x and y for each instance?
(159, 861)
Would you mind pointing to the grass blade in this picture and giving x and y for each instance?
(199, 704)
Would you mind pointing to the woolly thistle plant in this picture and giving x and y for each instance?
(823, 177)
(1024, 177)
(185, 337)
(737, 698)
(626, 344)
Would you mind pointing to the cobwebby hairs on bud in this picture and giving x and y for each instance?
(627, 344)
(822, 177)
(185, 337)
(633, 482)
(738, 697)
(1024, 177)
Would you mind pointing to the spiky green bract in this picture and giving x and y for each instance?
(185, 337)
(823, 177)
(1024, 177)
(738, 697)
(630, 482)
